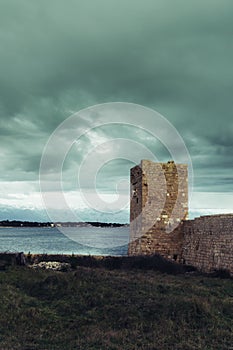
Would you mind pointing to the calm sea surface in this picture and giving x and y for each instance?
(49, 240)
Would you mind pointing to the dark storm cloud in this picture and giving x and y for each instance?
(57, 57)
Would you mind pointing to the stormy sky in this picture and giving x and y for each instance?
(58, 57)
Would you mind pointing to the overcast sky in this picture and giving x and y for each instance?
(58, 57)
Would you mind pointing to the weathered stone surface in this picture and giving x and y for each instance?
(208, 243)
(159, 202)
(158, 220)
(52, 265)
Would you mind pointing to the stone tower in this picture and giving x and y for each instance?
(159, 203)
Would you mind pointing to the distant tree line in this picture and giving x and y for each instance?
(18, 223)
(104, 224)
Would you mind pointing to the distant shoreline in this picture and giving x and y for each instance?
(17, 223)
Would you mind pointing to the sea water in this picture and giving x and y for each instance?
(72, 240)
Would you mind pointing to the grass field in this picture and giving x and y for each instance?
(102, 308)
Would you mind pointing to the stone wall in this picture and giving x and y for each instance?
(136, 205)
(159, 202)
(208, 242)
(158, 220)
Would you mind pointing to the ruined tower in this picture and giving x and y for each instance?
(159, 203)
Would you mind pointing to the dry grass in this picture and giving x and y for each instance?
(98, 308)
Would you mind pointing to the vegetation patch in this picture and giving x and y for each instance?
(103, 308)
